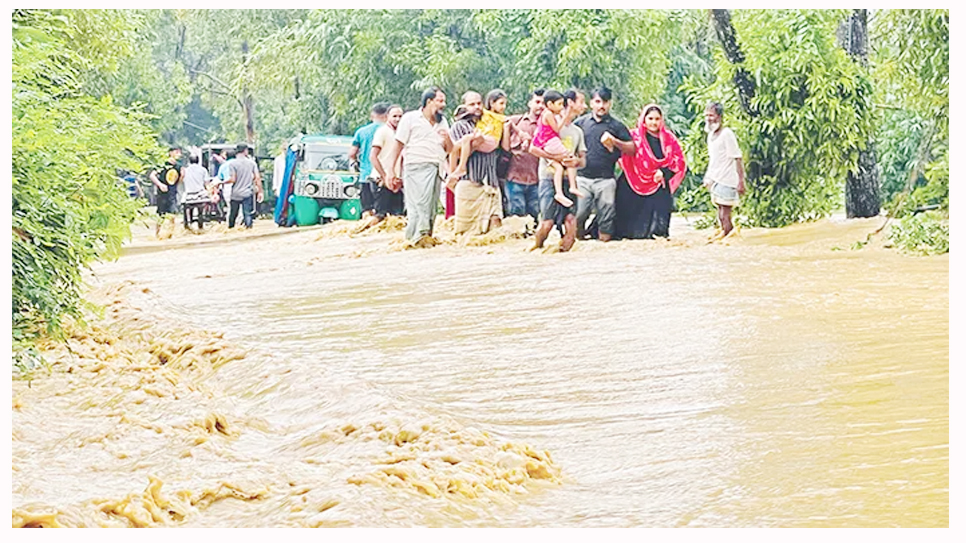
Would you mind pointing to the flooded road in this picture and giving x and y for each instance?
(772, 381)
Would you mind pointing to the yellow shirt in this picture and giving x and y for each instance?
(491, 124)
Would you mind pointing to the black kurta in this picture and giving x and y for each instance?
(644, 217)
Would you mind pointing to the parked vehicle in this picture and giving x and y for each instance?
(326, 186)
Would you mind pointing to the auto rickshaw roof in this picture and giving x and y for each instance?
(326, 139)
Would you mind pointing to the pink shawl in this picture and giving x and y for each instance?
(641, 167)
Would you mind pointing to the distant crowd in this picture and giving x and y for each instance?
(555, 162)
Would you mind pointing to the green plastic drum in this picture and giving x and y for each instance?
(350, 210)
(306, 211)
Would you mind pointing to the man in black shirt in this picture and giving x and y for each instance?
(165, 180)
(606, 139)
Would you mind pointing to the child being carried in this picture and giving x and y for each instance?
(547, 138)
(488, 134)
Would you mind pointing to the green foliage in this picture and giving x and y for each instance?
(691, 60)
(809, 125)
(347, 60)
(898, 139)
(922, 234)
(708, 219)
(68, 207)
(911, 63)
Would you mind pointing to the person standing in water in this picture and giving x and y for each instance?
(653, 173)
(607, 140)
(552, 212)
(477, 194)
(246, 184)
(423, 140)
(389, 199)
(725, 178)
(360, 152)
(522, 194)
(165, 180)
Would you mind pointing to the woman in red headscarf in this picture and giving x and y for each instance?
(651, 176)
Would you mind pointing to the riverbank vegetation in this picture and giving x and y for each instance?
(832, 108)
(67, 144)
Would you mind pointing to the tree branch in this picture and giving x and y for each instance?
(211, 77)
(197, 126)
(220, 82)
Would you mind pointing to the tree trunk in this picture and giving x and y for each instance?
(759, 166)
(179, 48)
(862, 187)
(729, 42)
(248, 103)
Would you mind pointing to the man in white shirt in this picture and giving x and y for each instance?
(423, 139)
(725, 177)
(388, 200)
(195, 194)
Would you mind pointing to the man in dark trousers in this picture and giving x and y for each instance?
(246, 182)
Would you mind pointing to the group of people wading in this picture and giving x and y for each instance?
(555, 162)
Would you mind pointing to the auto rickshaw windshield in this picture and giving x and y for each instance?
(326, 157)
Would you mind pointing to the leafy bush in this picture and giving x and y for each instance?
(897, 142)
(911, 61)
(68, 207)
(923, 234)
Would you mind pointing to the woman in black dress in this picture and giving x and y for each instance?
(651, 175)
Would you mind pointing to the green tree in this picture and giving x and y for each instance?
(68, 207)
(862, 183)
(333, 64)
(911, 67)
(148, 74)
(792, 108)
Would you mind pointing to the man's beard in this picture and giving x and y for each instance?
(438, 116)
(711, 128)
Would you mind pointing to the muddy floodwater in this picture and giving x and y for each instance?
(314, 378)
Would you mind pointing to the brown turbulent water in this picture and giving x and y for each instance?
(313, 379)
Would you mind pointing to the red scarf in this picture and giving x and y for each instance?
(641, 167)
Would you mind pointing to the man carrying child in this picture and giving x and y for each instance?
(552, 211)
(479, 207)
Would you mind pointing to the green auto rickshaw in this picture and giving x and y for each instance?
(326, 186)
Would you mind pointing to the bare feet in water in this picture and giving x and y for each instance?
(567, 242)
(425, 242)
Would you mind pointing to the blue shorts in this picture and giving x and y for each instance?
(551, 209)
